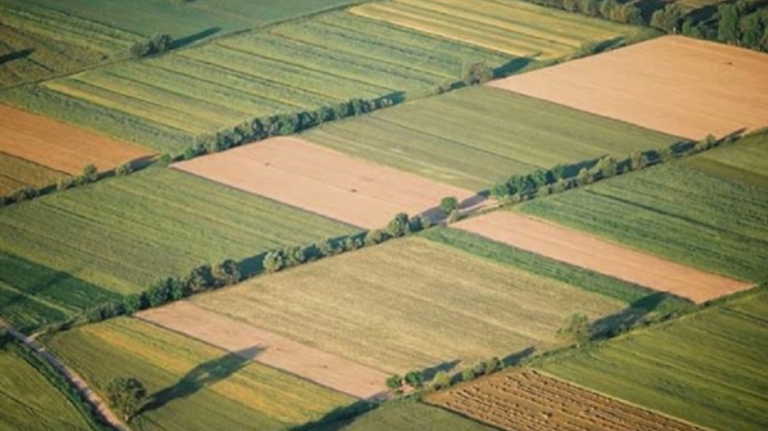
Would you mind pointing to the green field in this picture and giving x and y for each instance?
(191, 385)
(481, 135)
(409, 304)
(709, 368)
(709, 211)
(29, 401)
(18, 173)
(165, 102)
(514, 27)
(69, 251)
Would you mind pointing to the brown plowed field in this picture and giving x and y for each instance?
(59, 146)
(526, 400)
(673, 84)
(590, 252)
(315, 365)
(323, 181)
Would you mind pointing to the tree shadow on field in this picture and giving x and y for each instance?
(513, 66)
(203, 376)
(192, 38)
(429, 373)
(653, 305)
(338, 418)
(518, 357)
(16, 55)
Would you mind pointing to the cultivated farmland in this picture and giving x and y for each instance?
(293, 67)
(409, 416)
(192, 386)
(513, 27)
(30, 402)
(477, 136)
(67, 252)
(18, 173)
(590, 252)
(708, 368)
(323, 181)
(681, 86)
(58, 146)
(700, 212)
(526, 400)
(409, 304)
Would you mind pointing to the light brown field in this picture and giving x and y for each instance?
(590, 252)
(323, 181)
(684, 87)
(526, 400)
(59, 146)
(270, 349)
(16, 173)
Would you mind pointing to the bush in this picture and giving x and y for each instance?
(124, 169)
(448, 205)
(442, 380)
(415, 379)
(64, 184)
(398, 226)
(395, 383)
(467, 375)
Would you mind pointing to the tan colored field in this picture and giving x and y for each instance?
(684, 87)
(590, 252)
(409, 304)
(59, 146)
(271, 349)
(526, 400)
(16, 173)
(323, 181)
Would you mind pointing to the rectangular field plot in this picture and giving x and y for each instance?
(16, 173)
(701, 212)
(323, 181)
(293, 67)
(513, 27)
(71, 251)
(708, 368)
(478, 136)
(409, 304)
(684, 87)
(192, 386)
(30, 402)
(591, 252)
(58, 146)
(526, 400)
(409, 416)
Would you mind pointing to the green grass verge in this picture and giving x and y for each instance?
(708, 367)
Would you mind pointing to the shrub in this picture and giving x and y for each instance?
(467, 375)
(441, 380)
(449, 204)
(415, 379)
(124, 169)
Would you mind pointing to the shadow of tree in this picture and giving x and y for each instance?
(16, 55)
(516, 358)
(653, 305)
(338, 418)
(202, 376)
(192, 38)
(429, 373)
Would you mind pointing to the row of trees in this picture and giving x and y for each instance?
(415, 380)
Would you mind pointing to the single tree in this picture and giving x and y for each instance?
(441, 380)
(126, 395)
(468, 374)
(415, 379)
(575, 329)
(477, 73)
(449, 204)
(274, 261)
(90, 173)
(124, 169)
(728, 25)
(398, 226)
(395, 383)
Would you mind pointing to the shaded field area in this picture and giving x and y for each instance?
(409, 304)
(478, 136)
(67, 252)
(59, 146)
(526, 399)
(30, 402)
(700, 212)
(16, 173)
(593, 253)
(191, 385)
(673, 84)
(513, 27)
(326, 182)
(293, 67)
(708, 368)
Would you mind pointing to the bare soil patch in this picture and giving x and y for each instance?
(590, 252)
(673, 84)
(59, 146)
(270, 349)
(526, 400)
(326, 182)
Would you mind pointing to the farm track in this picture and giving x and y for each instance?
(90, 395)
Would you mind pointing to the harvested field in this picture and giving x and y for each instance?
(587, 251)
(68, 252)
(323, 181)
(513, 27)
(708, 368)
(709, 211)
(673, 84)
(385, 308)
(58, 146)
(191, 386)
(526, 400)
(474, 137)
(279, 352)
(16, 173)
